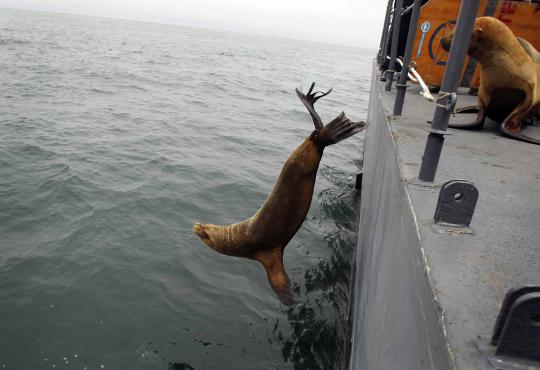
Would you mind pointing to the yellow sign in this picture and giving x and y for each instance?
(439, 16)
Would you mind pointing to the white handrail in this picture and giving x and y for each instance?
(414, 76)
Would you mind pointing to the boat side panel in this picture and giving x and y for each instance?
(396, 320)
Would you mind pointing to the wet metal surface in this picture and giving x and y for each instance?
(471, 273)
(396, 320)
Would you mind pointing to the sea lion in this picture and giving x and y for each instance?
(264, 236)
(509, 77)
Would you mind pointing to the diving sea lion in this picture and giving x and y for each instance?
(509, 77)
(264, 236)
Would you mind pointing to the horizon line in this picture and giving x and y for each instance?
(198, 26)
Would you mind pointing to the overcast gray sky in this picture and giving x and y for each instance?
(349, 22)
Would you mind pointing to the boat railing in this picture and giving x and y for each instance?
(447, 95)
(521, 322)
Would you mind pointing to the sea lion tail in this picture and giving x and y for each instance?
(339, 129)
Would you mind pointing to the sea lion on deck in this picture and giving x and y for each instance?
(509, 77)
(264, 236)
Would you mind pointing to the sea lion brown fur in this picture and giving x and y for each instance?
(509, 77)
(264, 236)
(529, 49)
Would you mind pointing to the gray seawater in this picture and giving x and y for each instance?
(115, 137)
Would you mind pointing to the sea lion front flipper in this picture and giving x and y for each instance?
(477, 124)
(309, 101)
(272, 260)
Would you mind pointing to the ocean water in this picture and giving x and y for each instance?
(115, 137)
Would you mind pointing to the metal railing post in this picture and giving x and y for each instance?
(381, 56)
(401, 86)
(452, 76)
(393, 52)
(387, 38)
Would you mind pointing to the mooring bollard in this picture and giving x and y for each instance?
(517, 330)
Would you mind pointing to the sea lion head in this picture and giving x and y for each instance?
(476, 36)
(206, 232)
(202, 232)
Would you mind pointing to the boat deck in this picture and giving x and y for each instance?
(471, 273)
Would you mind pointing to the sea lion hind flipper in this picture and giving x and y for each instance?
(272, 260)
(515, 124)
(468, 109)
(340, 129)
(520, 135)
(309, 100)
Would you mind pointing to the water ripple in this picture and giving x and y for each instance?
(116, 137)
